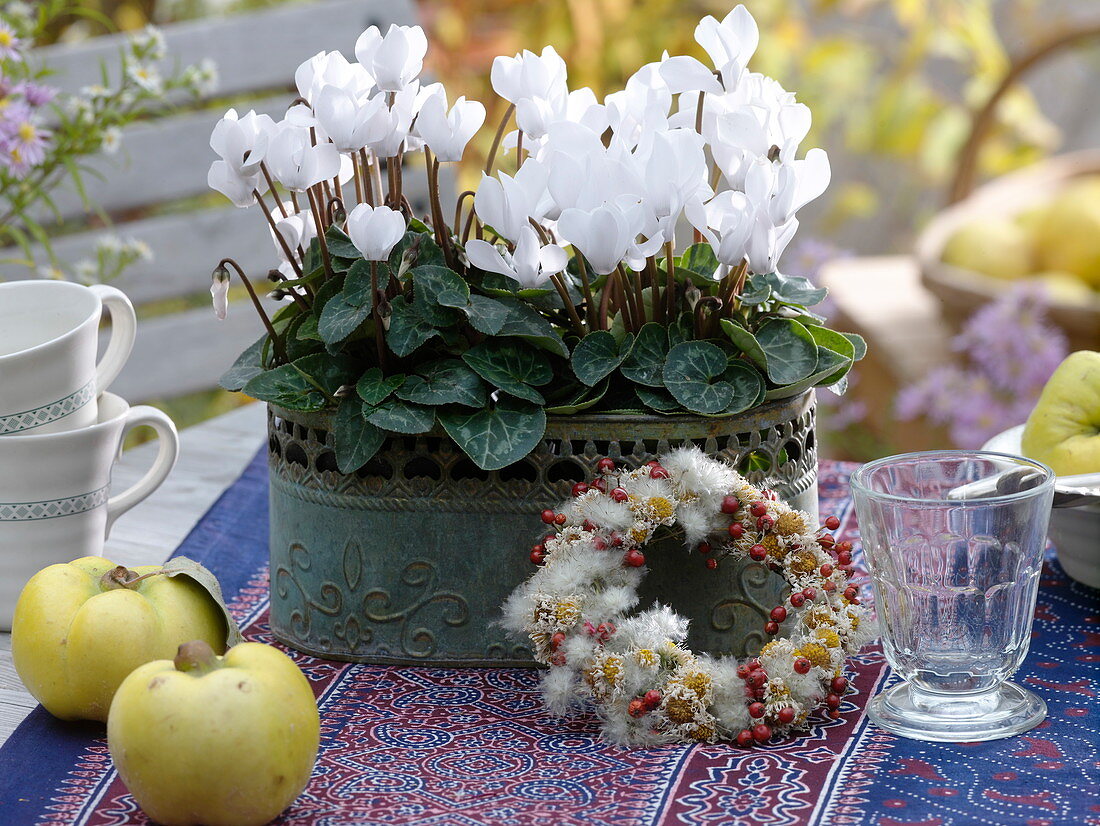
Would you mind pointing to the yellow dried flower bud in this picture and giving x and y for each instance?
(818, 617)
(828, 637)
(704, 734)
(815, 653)
(804, 562)
(647, 658)
(697, 681)
(790, 524)
(679, 710)
(661, 507)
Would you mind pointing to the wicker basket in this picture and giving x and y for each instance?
(962, 291)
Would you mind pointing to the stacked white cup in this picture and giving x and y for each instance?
(60, 432)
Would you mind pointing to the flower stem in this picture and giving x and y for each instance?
(271, 188)
(589, 302)
(469, 193)
(570, 308)
(358, 175)
(376, 300)
(442, 235)
(496, 138)
(276, 342)
(670, 284)
(321, 241)
(655, 285)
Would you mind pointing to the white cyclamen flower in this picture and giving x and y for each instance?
(507, 204)
(730, 44)
(237, 188)
(603, 235)
(297, 229)
(528, 75)
(531, 264)
(331, 69)
(726, 222)
(395, 60)
(348, 121)
(375, 231)
(242, 141)
(296, 163)
(447, 133)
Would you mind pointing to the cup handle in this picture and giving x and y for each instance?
(123, 331)
(162, 465)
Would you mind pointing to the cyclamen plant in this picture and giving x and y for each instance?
(47, 136)
(565, 286)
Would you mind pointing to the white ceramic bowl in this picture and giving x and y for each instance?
(1074, 531)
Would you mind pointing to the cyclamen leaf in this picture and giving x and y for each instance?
(341, 317)
(829, 365)
(401, 416)
(511, 366)
(286, 387)
(790, 349)
(700, 259)
(794, 289)
(205, 579)
(757, 290)
(496, 437)
(658, 399)
(747, 384)
(525, 322)
(339, 245)
(693, 372)
(598, 354)
(486, 315)
(746, 342)
(585, 398)
(445, 382)
(858, 343)
(647, 358)
(409, 329)
(374, 388)
(440, 285)
(247, 366)
(356, 440)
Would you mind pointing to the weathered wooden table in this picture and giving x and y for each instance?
(212, 456)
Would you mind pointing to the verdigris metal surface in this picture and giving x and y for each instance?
(410, 559)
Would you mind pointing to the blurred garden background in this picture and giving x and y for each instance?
(893, 84)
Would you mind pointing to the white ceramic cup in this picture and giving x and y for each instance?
(54, 500)
(49, 331)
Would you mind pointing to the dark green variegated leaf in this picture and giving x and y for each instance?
(329, 371)
(413, 250)
(448, 381)
(441, 285)
(746, 342)
(658, 399)
(858, 343)
(829, 364)
(794, 289)
(400, 416)
(374, 388)
(501, 286)
(647, 358)
(747, 384)
(296, 346)
(356, 440)
(496, 437)
(701, 260)
(325, 293)
(756, 291)
(408, 327)
(584, 398)
(598, 354)
(513, 366)
(525, 322)
(681, 330)
(487, 315)
(341, 317)
(339, 245)
(693, 375)
(307, 330)
(286, 386)
(790, 349)
(312, 258)
(841, 345)
(247, 366)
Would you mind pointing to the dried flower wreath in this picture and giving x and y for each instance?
(646, 685)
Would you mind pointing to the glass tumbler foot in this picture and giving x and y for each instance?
(1002, 712)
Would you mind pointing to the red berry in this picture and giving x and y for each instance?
(559, 519)
(786, 715)
(619, 494)
(756, 710)
(537, 555)
(851, 592)
(765, 523)
(768, 493)
(844, 546)
(757, 679)
(712, 563)
(834, 715)
(737, 530)
(826, 541)
(832, 523)
(658, 472)
(761, 733)
(798, 599)
(829, 585)
(839, 685)
(616, 539)
(548, 537)
(758, 509)
(557, 639)
(652, 698)
(779, 613)
(809, 593)
(844, 557)
(599, 543)
(802, 665)
(704, 548)
(754, 665)
(743, 671)
(826, 570)
(832, 701)
(634, 558)
(599, 484)
(730, 504)
(548, 516)
(588, 525)
(758, 553)
(605, 465)
(652, 463)
(580, 489)
(744, 738)
(771, 627)
(636, 708)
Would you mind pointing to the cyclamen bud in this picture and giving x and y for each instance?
(219, 291)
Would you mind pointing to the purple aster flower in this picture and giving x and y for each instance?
(25, 145)
(9, 43)
(36, 94)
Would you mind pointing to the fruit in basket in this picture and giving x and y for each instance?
(221, 741)
(992, 245)
(1068, 237)
(1064, 287)
(81, 627)
(1064, 428)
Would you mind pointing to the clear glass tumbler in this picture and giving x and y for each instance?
(954, 541)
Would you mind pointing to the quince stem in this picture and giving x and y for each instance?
(123, 577)
(196, 656)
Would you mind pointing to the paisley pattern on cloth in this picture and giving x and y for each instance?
(451, 747)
